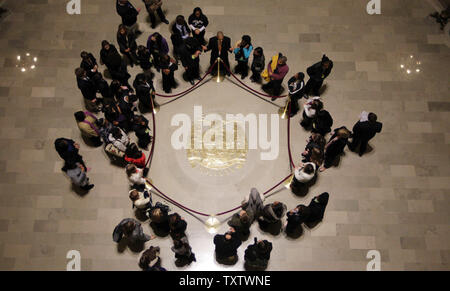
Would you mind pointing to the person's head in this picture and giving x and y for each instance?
(325, 62)
(282, 60)
(156, 37)
(149, 255)
(300, 76)
(317, 105)
(116, 133)
(80, 72)
(244, 218)
(134, 195)
(198, 12)
(180, 20)
(84, 55)
(128, 227)
(343, 133)
(258, 51)
(220, 35)
(130, 169)
(309, 169)
(165, 59)
(122, 29)
(133, 151)
(156, 215)
(105, 45)
(372, 117)
(246, 40)
(174, 218)
(123, 1)
(316, 156)
(79, 116)
(138, 119)
(141, 79)
(61, 144)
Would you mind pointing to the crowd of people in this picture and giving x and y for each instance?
(119, 102)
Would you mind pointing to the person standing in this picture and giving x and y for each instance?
(317, 74)
(295, 87)
(127, 43)
(271, 214)
(302, 175)
(242, 52)
(142, 131)
(190, 59)
(87, 123)
(145, 91)
(129, 15)
(153, 6)
(158, 46)
(363, 131)
(198, 23)
(276, 76)
(168, 68)
(117, 67)
(322, 122)
(68, 151)
(220, 46)
(150, 260)
(180, 32)
(335, 146)
(88, 90)
(183, 252)
(77, 174)
(310, 110)
(258, 65)
(143, 54)
(257, 255)
(295, 218)
(226, 247)
(132, 230)
(316, 210)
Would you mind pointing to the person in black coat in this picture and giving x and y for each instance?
(168, 68)
(177, 226)
(129, 15)
(88, 89)
(226, 247)
(142, 131)
(322, 122)
(89, 64)
(295, 218)
(117, 67)
(145, 91)
(258, 65)
(295, 86)
(159, 216)
(198, 23)
(316, 209)
(180, 32)
(190, 59)
(363, 131)
(143, 55)
(335, 146)
(153, 6)
(219, 46)
(127, 44)
(317, 74)
(257, 255)
(68, 151)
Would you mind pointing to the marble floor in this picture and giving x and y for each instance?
(394, 200)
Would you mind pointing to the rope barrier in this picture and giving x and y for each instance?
(166, 197)
(249, 88)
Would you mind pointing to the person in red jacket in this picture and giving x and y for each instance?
(134, 156)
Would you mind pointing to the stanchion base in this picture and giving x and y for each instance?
(156, 108)
(282, 113)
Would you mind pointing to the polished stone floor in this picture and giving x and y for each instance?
(395, 199)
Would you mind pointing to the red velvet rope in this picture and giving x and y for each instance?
(251, 89)
(238, 207)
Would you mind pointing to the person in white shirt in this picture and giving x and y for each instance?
(141, 200)
(310, 110)
(119, 139)
(135, 176)
(302, 175)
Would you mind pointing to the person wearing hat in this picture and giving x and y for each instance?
(317, 74)
(295, 87)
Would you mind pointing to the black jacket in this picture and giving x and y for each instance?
(176, 37)
(111, 58)
(317, 207)
(89, 64)
(322, 122)
(189, 48)
(366, 130)
(87, 88)
(294, 86)
(143, 92)
(198, 22)
(213, 46)
(227, 248)
(337, 147)
(317, 73)
(257, 256)
(126, 41)
(127, 12)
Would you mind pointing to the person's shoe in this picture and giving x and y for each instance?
(165, 21)
(153, 26)
(243, 77)
(168, 91)
(192, 82)
(274, 98)
(321, 169)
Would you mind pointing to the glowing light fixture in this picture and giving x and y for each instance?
(212, 224)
